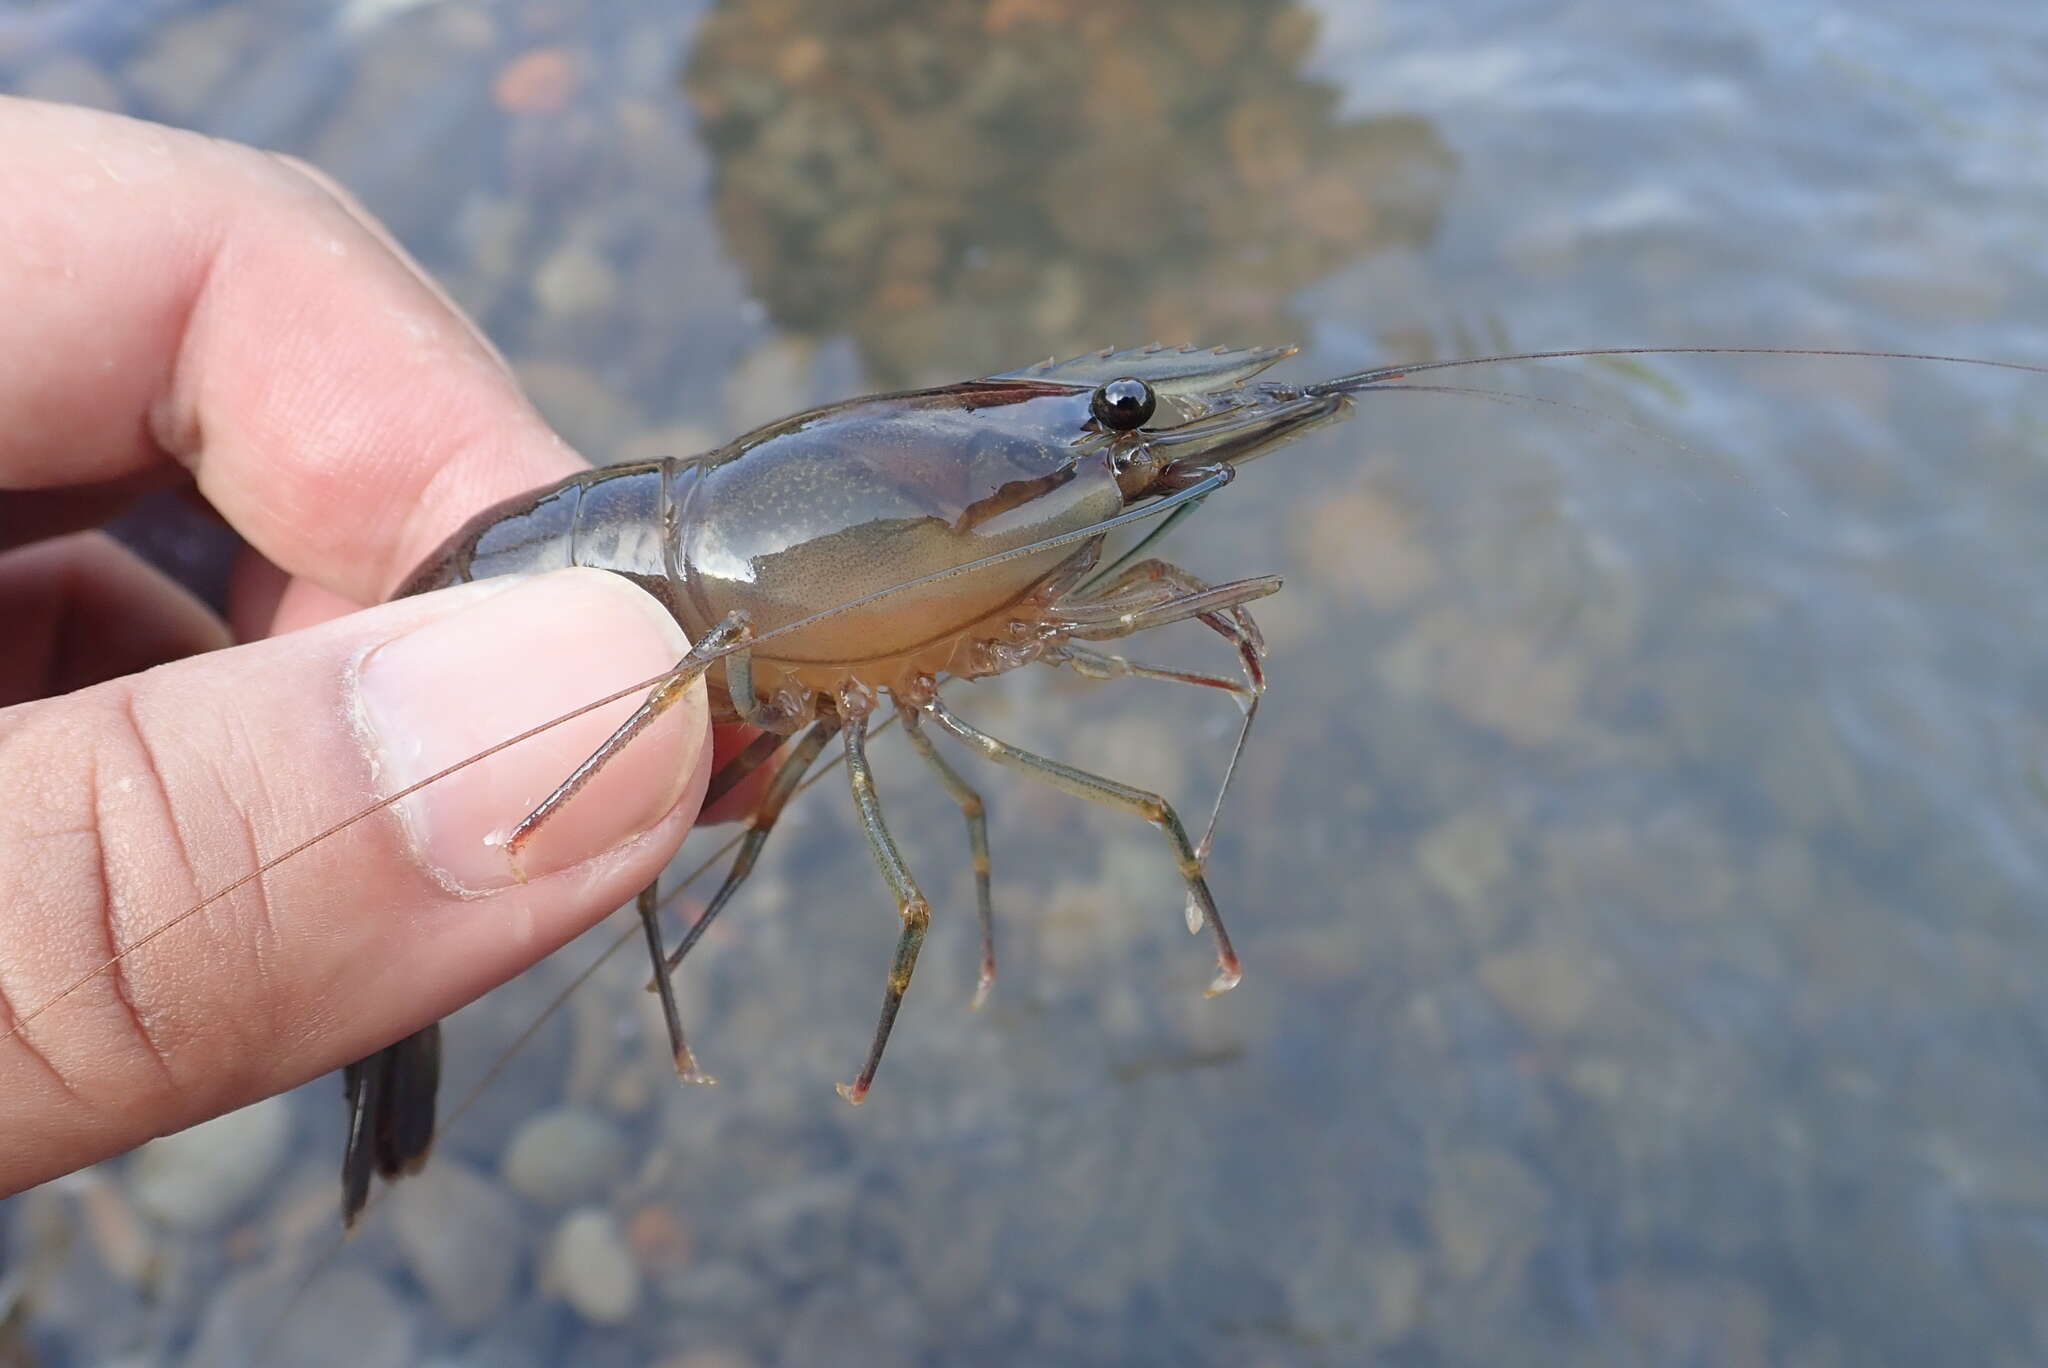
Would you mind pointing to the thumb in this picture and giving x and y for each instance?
(130, 802)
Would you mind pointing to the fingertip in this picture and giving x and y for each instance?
(496, 668)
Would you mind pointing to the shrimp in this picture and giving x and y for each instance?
(875, 548)
(993, 495)
(992, 492)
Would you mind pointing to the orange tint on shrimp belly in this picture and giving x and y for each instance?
(1014, 635)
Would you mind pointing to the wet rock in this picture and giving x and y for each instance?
(959, 190)
(707, 1358)
(344, 1318)
(71, 80)
(591, 1265)
(658, 1237)
(853, 1327)
(765, 381)
(1804, 767)
(1150, 752)
(191, 58)
(2014, 1257)
(1994, 1167)
(1675, 1320)
(361, 17)
(1364, 543)
(585, 410)
(565, 1155)
(1503, 679)
(350, 1319)
(463, 1238)
(1466, 859)
(123, 1241)
(489, 230)
(1547, 989)
(532, 1333)
(1600, 1080)
(199, 1178)
(804, 1231)
(1393, 1281)
(711, 1288)
(542, 81)
(1486, 1210)
(575, 279)
(1368, 1296)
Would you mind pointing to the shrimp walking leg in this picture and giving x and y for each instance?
(759, 825)
(1109, 792)
(1235, 624)
(976, 812)
(1248, 691)
(783, 716)
(1156, 591)
(1141, 609)
(911, 905)
(649, 906)
(1100, 665)
(736, 628)
(664, 696)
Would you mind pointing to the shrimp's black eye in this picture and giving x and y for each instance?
(1123, 404)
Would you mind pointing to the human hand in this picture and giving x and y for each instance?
(173, 308)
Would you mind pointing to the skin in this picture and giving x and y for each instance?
(183, 310)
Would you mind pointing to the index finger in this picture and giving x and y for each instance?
(176, 301)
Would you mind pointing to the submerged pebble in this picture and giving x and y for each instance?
(575, 279)
(591, 1264)
(199, 1178)
(342, 1318)
(464, 1239)
(564, 1155)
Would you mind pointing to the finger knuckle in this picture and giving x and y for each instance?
(113, 1016)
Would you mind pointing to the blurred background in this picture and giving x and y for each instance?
(1641, 868)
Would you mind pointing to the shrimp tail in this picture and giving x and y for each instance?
(390, 1115)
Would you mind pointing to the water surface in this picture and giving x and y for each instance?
(1640, 871)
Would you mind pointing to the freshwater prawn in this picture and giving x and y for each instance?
(873, 549)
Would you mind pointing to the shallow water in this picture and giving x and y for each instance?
(1640, 871)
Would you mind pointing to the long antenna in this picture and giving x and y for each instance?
(1366, 379)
